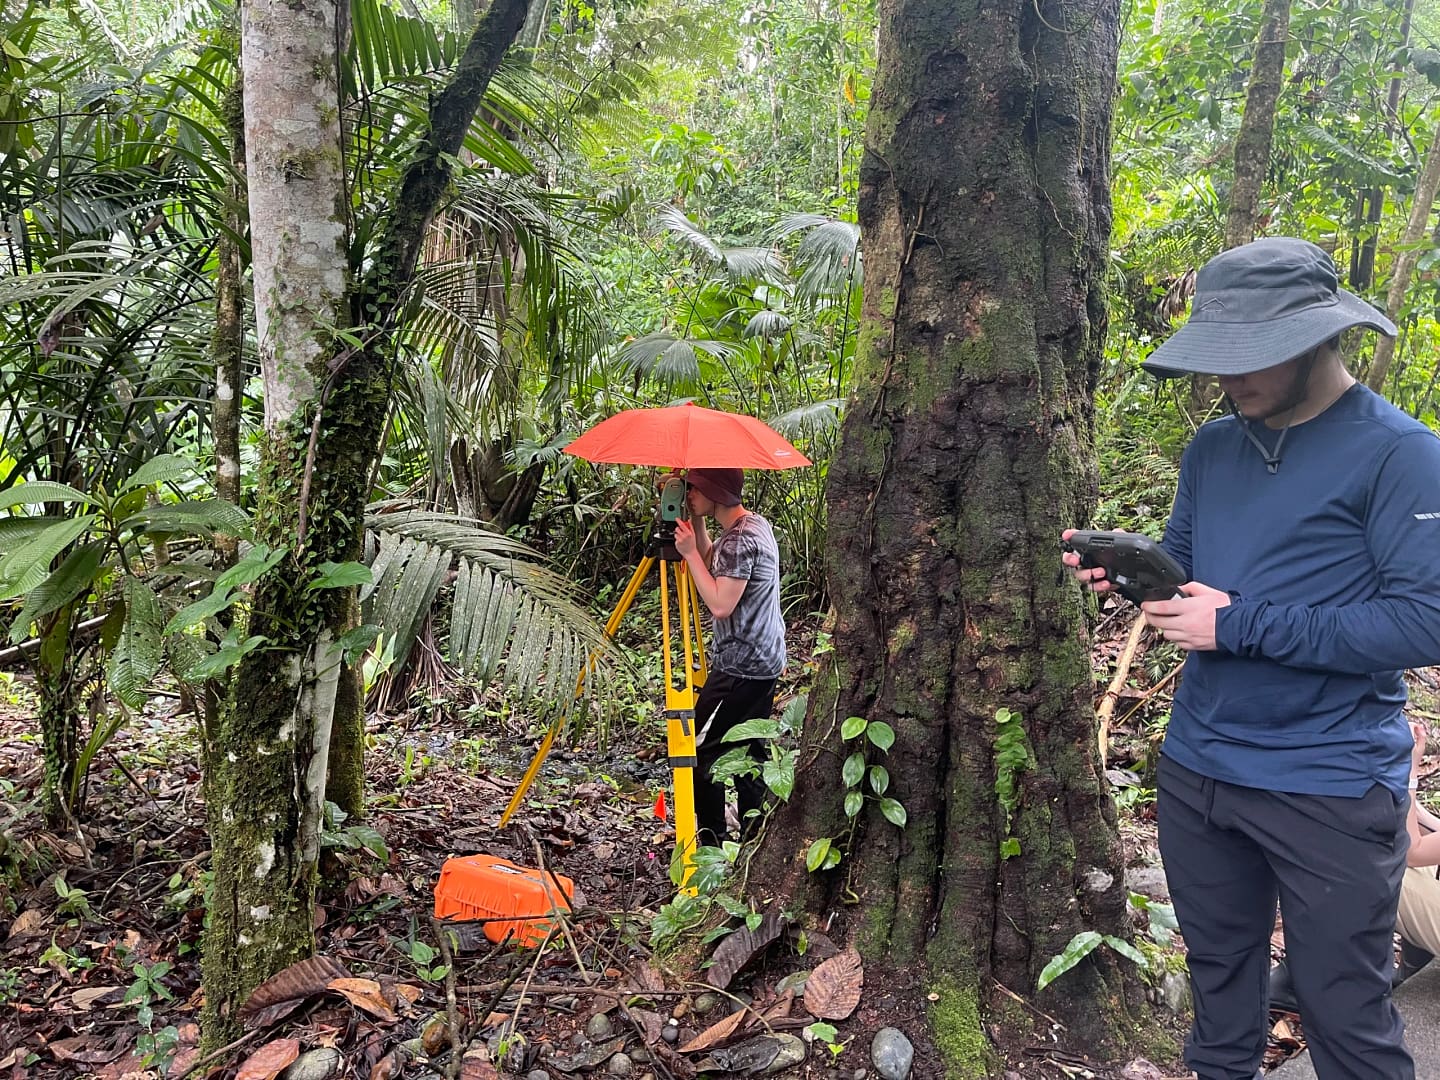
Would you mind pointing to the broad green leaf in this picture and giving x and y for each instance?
(752, 729)
(192, 516)
(1080, 946)
(881, 734)
(854, 800)
(879, 779)
(160, 470)
(74, 577)
(258, 561)
(815, 857)
(136, 659)
(29, 564)
(353, 643)
(779, 774)
(736, 762)
(894, 812)
(1009, 848)
(333, 575)
(222, 658)
(41, 491)
(794, 715)
(212, 604)
(853, 726)
(1125, 949)
(853, 771)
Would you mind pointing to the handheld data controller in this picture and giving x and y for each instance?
(1138, 567)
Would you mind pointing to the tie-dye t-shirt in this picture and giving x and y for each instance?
(750, 643)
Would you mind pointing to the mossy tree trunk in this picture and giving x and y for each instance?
(324, 432)
(966, 448)
(1257, 125)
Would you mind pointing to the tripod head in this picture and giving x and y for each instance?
(672, 508)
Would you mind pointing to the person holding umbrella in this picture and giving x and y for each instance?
(738, 578)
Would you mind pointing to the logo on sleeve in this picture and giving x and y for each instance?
(1427, 517)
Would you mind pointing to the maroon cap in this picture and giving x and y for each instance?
(720, 486)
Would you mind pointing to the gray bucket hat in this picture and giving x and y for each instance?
(1259, 305)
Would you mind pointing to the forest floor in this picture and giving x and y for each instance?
(100, 971)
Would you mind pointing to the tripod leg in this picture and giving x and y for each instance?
(611, 626)
(680, 720)
(700, 672)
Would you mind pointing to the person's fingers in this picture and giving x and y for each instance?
(1067, 534)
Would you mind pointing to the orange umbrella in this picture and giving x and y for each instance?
(686, 437)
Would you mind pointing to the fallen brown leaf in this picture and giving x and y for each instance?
(364, 994)
(715, 1033)
(390, 1066)
(742, 946)
(833, 990)
(287, 990)
(87, 997)
(27, 923)
(475, 1065)
(270, 1060)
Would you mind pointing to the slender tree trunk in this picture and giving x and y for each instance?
(1373, 200)
(1257, 126)
(228, 350)
(323, 437)
(1405, 260)
(967, 447)
(275, 732)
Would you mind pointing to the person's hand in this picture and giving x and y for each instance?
(1419, 733)
(1189, 620)
(685, 538)
(1093, 578)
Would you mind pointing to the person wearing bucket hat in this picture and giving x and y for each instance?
(1308, 521)
(738, 578)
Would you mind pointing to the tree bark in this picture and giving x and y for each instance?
(1257, 126)
(1362, 269)
(1405, 260)
(966, 448)
(323, 436)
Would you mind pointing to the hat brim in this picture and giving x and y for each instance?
(1208, 347)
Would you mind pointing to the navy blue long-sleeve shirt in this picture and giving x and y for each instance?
(1333, 567)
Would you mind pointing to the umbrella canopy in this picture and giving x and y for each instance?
(686, 437)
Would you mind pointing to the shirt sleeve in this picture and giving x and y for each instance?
(734, 558)
(1177, 529)
(1400, 627)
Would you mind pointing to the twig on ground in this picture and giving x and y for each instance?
(201, 1062)
(1112, 693)
(452, 1005)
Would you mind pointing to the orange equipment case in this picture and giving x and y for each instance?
(485, 886)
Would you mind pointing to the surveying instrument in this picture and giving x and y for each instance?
(682, 684)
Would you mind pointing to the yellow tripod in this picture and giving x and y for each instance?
(680, 691)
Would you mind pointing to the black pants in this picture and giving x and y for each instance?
(1335, 866)
(723, 702)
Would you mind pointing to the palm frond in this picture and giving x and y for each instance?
(511, 618)
(767, 324)
(816, 418)
(673, 220)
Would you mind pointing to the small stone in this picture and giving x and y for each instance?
(578, 1041)
(319, 1064)
(600, 1027)
(861, 1074)
(706, 1002)
(670, 1032)
(563, 1004)
(1175, 989)
(1148, 881)
(619, 1065)
(639, 1055)
(537, 1074)
(792, 1052)
(796, 981)
(892, 1054)
(435, 1035)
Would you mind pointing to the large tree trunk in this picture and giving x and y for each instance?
(967, 447)
(1257, 126)
(323, 436)
(1406, 259)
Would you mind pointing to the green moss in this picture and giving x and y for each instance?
(959, 1035)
